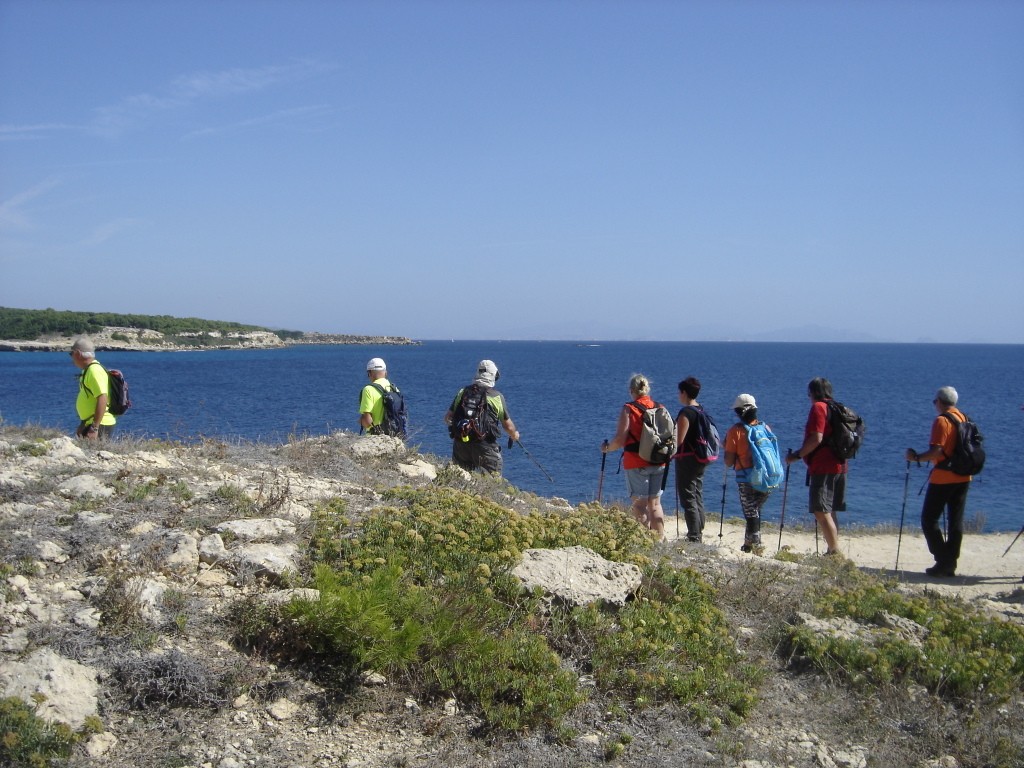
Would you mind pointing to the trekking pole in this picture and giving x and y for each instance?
(677, 511)
(600, 478)
(785, 493)
(816, 551)
(1014, 541)
(721, 517)
(530, 455)
(899, 539)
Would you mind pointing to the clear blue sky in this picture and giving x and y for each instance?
(605, 170)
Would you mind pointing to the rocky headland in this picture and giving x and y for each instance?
(147, 340)
(123, 566)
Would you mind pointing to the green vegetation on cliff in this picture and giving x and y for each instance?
(30, 324)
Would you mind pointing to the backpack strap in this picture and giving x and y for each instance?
(81, 376)
(956, 428)
(638, 409)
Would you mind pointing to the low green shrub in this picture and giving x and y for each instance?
(423, 588)
(27, 740)
(963, 652)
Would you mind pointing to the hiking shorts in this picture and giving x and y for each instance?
(645, 482)
(828, 493)
(477, 457)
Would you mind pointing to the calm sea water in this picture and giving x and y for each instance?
(565, 398)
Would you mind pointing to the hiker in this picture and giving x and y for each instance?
(96, 421)
(475, 419)
(738, 455)
(946, 489)
(690, 471)
(826, 473)
(371, 399)
(644, 480)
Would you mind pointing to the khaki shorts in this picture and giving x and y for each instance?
(645, 482)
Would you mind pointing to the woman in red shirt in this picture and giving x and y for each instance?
(643, 479)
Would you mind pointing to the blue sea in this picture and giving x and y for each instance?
(565, 398)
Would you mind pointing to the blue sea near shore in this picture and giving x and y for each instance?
(565, 398)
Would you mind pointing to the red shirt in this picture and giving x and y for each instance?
(821, 460)
(631, 459)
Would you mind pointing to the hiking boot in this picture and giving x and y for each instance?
(752, 544)
(696, 538)
(940, 571)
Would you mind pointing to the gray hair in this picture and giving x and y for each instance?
(83, 345)
(639, 385)
(947, 395)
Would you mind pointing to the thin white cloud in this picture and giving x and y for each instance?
(182, 92)
(12, 210)
(298, 114)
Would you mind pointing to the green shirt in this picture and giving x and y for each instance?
(371, 401)
(92, 383)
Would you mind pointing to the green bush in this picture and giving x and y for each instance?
(28, 740)
(963, 653)
(423, 589)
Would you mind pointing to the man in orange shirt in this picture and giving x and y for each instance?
(946, 489)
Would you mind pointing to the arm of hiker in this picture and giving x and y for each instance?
(812, 441)
(366, 406)
(101, 408)
(510, 428)
(621, 433)
(682, 427)
(448, 416)
(934, 453)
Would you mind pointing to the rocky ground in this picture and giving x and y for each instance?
(171, 536)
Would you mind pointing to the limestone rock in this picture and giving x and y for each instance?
(369, 446)
(258, 529)
(64, 448)
(172, 550)
(271, 560)
(100, 744)
(418, 468)
(51, 552)
(283, 709)
(212, 549)
(578, 576)
(82, 486)
(69, 690)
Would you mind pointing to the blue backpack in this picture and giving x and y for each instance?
(767, 473)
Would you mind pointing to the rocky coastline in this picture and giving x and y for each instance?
(147, 340)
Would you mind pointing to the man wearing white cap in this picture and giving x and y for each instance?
(475, 419)
(371, 400)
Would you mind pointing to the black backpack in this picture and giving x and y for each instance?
(847, 430)
(118, 399)
(472, 420)
(395, 418)
(968, 456)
